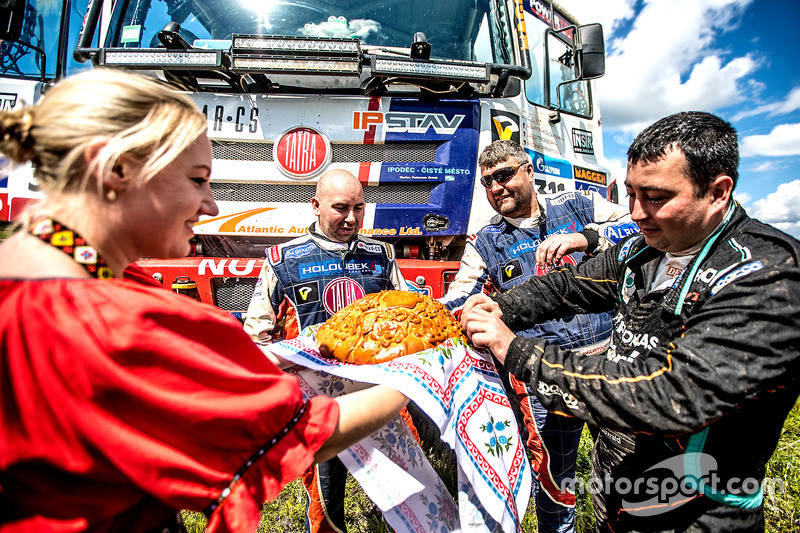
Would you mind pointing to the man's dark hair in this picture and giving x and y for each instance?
(708, 143)
(500, 151)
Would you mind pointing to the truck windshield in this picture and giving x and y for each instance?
(455, 29)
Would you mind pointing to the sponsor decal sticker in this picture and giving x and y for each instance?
(523, 247)
(582, 141)
(306, 293)
(592, 176)
(319, 268)
(511, 270)
(340, 293)
(374, 248)
(551, 389)
(407, 122)
(505, 126)
(736, 274)
(299, 251)
(302, 152)
(618, 232)
(623, 251)
(7, 101)
(275, 255)
(550, 166)
(413, 287)
(130, 34)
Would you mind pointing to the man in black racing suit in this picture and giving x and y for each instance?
(705, 354)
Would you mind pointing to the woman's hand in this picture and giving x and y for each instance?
(361, 414)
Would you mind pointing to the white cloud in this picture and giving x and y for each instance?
(668, 61)
(792, 103)
(780, 208)
(766, 166)
(792, 228)
(783, 140)
(743, 198)
(609, 13)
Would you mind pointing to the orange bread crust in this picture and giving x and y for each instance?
(385, 325)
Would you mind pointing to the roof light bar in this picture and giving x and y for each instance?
(160, 59)
(332, 65)
(303, 45)
(296, 54)
(455, 70)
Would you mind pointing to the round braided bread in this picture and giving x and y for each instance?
(385, 325)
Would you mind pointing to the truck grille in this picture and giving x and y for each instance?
(233, 294)
(411, 193)
(397, 152)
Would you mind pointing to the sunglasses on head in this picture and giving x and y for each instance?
(501, 176)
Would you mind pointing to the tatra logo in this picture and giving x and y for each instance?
(340, 293)
(582, 141)
(301, 152)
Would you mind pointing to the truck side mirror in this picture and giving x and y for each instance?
(590, 52)
(11, 14)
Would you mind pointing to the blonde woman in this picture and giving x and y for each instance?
(121, 402)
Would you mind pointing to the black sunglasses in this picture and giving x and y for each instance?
(501, 176)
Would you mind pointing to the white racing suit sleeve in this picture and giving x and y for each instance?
(470, 279)
(261, 316)
(396, 276)
(611, 222)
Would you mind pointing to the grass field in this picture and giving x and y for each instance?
(285, 514)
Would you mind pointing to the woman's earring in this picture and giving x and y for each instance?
(111, 195)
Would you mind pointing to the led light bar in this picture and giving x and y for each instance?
(149, 58)
(303, 45)
(316, 65)
(453, 70)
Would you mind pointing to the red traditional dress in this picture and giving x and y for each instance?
(121, 403)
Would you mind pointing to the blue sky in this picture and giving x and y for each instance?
(735, 58)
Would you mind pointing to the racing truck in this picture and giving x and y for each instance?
(404, 94)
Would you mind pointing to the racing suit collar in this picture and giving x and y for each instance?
(325, 243)
(529, 222)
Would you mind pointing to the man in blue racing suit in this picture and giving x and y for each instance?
(306, 280)
(530, 234)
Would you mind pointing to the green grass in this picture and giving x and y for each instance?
(286, 513)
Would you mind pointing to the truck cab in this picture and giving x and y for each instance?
(403, 94)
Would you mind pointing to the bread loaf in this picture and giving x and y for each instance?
(385, 325)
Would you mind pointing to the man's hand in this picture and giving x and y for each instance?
(478, 301)
(550, 252)
(481, 320)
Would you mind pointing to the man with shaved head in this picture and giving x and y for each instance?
(306, 280)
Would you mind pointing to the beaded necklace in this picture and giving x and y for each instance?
(71, 243)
